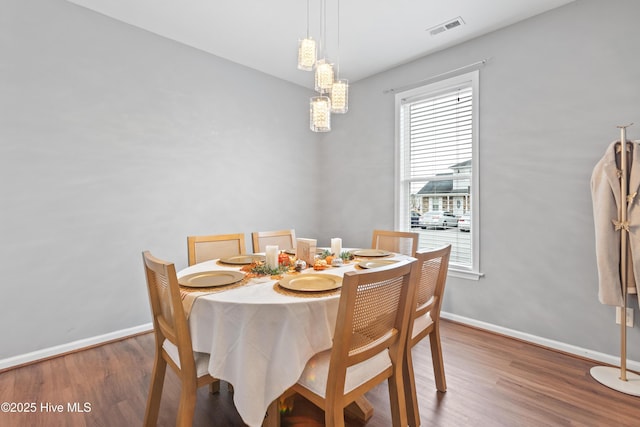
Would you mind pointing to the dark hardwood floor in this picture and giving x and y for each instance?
(492, 381)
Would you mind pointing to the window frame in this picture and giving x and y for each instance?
(402, 219)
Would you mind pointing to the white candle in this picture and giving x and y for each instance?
(336, 246)
(271, 255)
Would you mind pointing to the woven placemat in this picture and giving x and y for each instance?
(189, 295)
(304, 294)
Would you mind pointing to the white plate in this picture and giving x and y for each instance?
(370, 252)
(375, 263)
(210, 279)
(242, 259)
(311, 282)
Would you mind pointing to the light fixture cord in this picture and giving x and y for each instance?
(308, 17)
(338, 67)
(323, 25)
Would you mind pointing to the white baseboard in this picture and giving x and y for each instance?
(556, 345)
(72, 346)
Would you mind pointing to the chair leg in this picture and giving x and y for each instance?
(334, 418)
(187, 406)
(360, 409)
(333, 413)
(155, 392)
(436, 356)
(397, 398)
(272, 418)
(413, 412)
(214, 387)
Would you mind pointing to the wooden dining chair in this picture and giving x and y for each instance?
(205, 248)
(368, 343)
(402, 242)
(285, 239)
(173, 344)
(431, 278)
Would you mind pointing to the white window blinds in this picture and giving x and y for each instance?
(436, 148)
(440, 132)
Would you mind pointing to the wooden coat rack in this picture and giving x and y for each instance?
(619, 378)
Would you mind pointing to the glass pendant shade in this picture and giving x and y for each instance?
(306, 54)
(320, 114)
(340, 96)
(324, 76)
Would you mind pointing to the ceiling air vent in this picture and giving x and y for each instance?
(449, 25)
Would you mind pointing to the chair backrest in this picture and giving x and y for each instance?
(169, 320)
(433, 266)
(373, 315)
(285, 239)
(205, 248)
(402, 242)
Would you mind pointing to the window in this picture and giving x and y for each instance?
(437, 168)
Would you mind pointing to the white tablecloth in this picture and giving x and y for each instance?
(260, 340)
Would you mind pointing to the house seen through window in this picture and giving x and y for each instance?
(437, 168)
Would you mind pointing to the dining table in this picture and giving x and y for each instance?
(261, 331)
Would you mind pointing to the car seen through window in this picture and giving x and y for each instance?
(438, 219)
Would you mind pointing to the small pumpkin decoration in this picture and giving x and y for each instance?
(283, 259)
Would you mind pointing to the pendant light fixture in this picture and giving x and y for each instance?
(307, 50)
(324, 69)
(324, 76)
(340, 96)
(340, 87)
(332, 91)
(320, 113)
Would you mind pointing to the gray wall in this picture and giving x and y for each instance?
(551, 96)
(114, 141)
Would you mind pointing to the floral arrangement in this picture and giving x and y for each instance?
(288, 265)
(258, 269)
(346, 256)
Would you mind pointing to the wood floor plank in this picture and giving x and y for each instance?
(492, 381)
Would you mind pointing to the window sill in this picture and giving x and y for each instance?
(465, 274)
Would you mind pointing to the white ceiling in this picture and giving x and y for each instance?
(375, 35)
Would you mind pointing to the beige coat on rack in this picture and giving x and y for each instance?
(606, 198)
